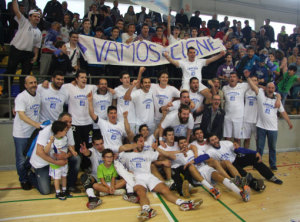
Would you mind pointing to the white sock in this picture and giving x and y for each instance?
(57, 191)
(230, 185)
(90, 192)
(145, 207)
(129, 188)
(206, 184)
(179, 202)
(64, 189)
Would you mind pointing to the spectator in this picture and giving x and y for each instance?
(225, 69)
(194, 32)
(247, 62)
(159, 37)
(93, 16)
(130, 16)
(129, 36)
(246, 32)
(24, 46)
(268, 47)
(172, 21)
(213, 23)
(144, 33)
(282, 39)
(262, 38)
(53, 11)
(155, 17)
(86, 28)
(119, 24)
(269, 30)
(66, 28)
(66, 11)
(115, 12)
(182, 18)
(296, 90)
(261, 71)
(115, 35)
(293, 57)
(141, 16)
(223, 24)
(75, 26)
(204, 29)
(289, 78)
(196, 21)
(107, 19)
(280, 57)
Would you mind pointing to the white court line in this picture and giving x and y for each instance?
(85, 212)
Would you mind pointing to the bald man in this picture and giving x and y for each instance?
(27, 107)
(267, 122)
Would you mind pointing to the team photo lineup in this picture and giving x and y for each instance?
(167, 125)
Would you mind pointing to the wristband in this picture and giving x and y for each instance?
(161, 138)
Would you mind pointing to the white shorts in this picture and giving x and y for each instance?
(149, 181)
(248, 130)
(233, 129)
(186, 86)
(206, 172)
(127, 176)
(59, 172)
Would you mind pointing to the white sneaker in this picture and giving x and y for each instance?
(102, 194)
(169, 182)
(119, 192)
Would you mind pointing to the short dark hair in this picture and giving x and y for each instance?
(57, 73)
(106, 151)
(85, 20)
(58, 126)
(73, 33)
(182, 92)
(110, 108)
(115, 27)
(104, 9)
(166, 130)
(79, 71)
(196, 129)
(142, 80)
(183, 107)
(250, 48)
(191, 47)
(64, 114)
(59, 44)
(160, 73)
(193, 78)
(124, 72)
(210, 135)
(180, 138)
(99, 29)
(97, 136)
(292, 67)
(142, 126)
(136, 137)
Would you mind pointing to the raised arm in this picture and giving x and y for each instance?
(129, 132)
(139, 78)
(16, 9)
(175, 63)
(215, 58)
(127, 147)
(91, 107)
(127, 95)
(169, 26)
(167, 154)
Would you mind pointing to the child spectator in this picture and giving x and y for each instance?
(107, 174)
(261, 71)
(289, 78)
(225, 69)
(58, 144)
(60, 59)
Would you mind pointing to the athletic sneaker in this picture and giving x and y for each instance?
(146, 214)
(186, 189)
(102, 194)
(60, 196)
(215, 193)
(237, 180)
(273, 168)
(258, 184)
(86, 180)
(119, 192)
(190, 205)
(131, 197)
(245, 193)
(93, 202)
(274, 179)
(67, 194)
(169, 183)
(246, 180)
(26, 185)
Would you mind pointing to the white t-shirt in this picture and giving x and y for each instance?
(58, 146)
(148, 143)
(267, 113)
(172, 40)
(139, 162)
(43, 139)
(181, 160)
(52, 102)
(101, 103)
(78, 103)
(124, 105)
(96, 160)
(172, 120)
(197, 98)
(200, 148)
(191, 69)
(250, 111)
(161, 97)
(144, 106)
(27, 36)
(125, 36)
(175, 147)
(175, 106)
(225, 152)
(112, 134)
(30, 105)
(234, 101)
(70, 52)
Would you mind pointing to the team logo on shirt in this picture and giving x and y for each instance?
(35, 109)
(82, 99)
(148, 103)
(268, 108)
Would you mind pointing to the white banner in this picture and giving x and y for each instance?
(143, 53)
(161, 6)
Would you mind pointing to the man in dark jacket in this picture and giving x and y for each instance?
(213, 118)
